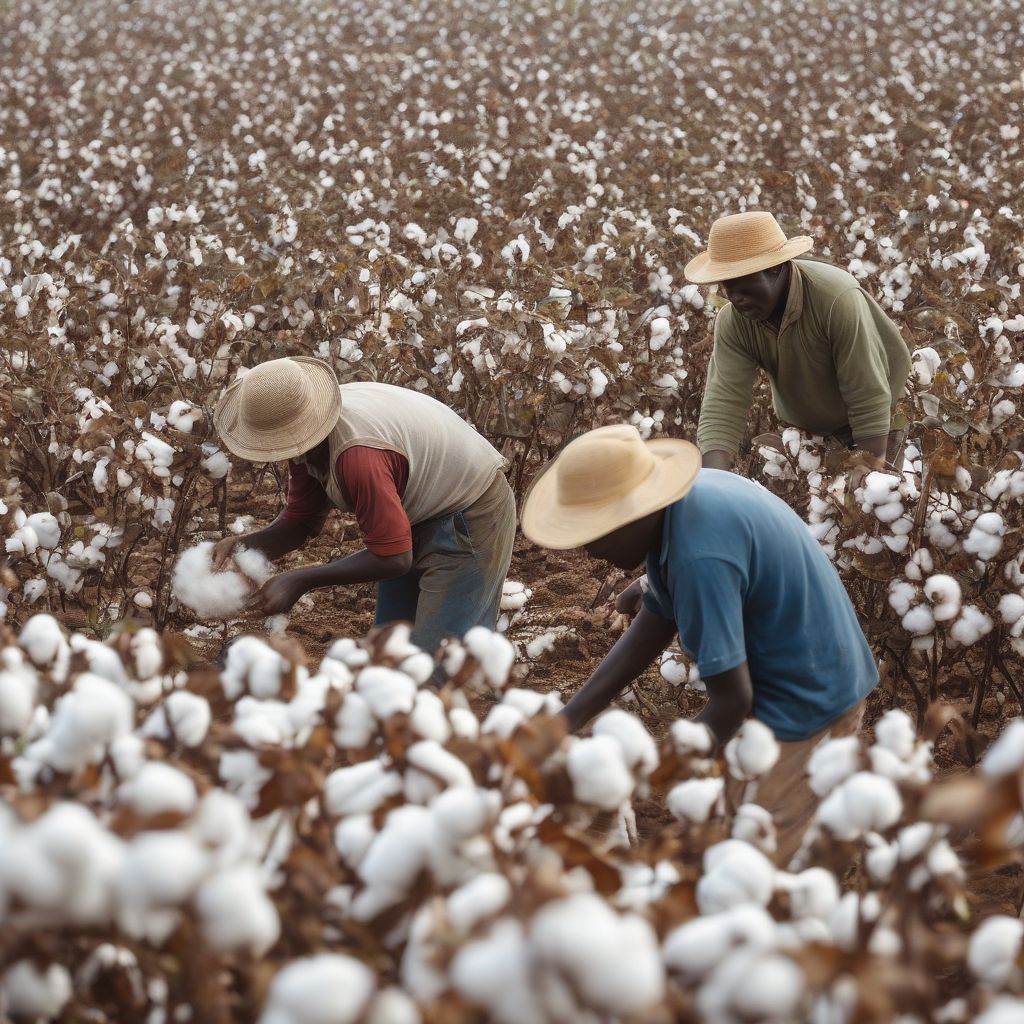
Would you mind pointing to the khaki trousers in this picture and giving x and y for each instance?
(785, 791)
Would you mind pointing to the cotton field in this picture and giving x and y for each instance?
(206, 816)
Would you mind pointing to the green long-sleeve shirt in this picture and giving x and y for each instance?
(836, 360)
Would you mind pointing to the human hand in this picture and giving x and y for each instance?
(278, 594)
(629, 600)
(223, 551)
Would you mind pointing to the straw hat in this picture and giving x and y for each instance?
(744, 244)
(279, 409)
(603, 480)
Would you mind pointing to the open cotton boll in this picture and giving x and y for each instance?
(832, 762)
(18, 686)
(638, 746)
(611, 961)
(430, 758)
(214, 595)
(865, 802)
(753, 824)
(183, 416)
(994, 948)
(1002, 1010)
(42, 639)
(352, 838)
(483, 896)
(812, 893)
(183, 716)
(1006, 755)
(386, 691)
(972, 625)
(689, 737)
(919, 620)
(429, 718)
(236, 913)
(752, 985)
(752, 752)
(695, 799)
(494, 654)
(1011, 608)
(696, 948)
(901, 596)
(895, 731)
(393, 1006)
(253, 564)
(30, 993)
(329, 988)
(159, 788)
(986, 536)
(945, 595)
(354, 724)
(46, 528)
(252, 666)
(493, 972)
(735, 873)
(598, 772)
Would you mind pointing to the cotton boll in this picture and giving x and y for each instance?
(865, 802)
(159, 789)
(895, 731)
(638, 746)
(754, 825)
(812, 893)
(483, 896)
(919, 621)
(394, 860)
(994, 948)
(598, 772)
(439, 766)
(832, 762)
(464, 723)
(734, 873)
(901, 596)
(612, 961)
(753, 986)
(690, 737)
(881, 858)
(1003, 1010)
(46, 528)
(695, 800)
(661, 333)
(236, 913)
(494, 654)
(1006, 755)
(429, 718)
(328, 988)
(944, 593)
(253, 564)
(352, 838)
(1011, 608)
(752, 752)
(985, 538)
(354, 724)
(42, 639)
(972, 625)
(18, 686)
(30, 993)
(694, 949)
(393, 1006)
(184, 716)
(386, 691)
(494, 972)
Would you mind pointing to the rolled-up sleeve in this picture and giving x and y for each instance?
(308, 504)
(728, 391)
(862, 365)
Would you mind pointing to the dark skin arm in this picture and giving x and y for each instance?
(278, 595)
(730, 700)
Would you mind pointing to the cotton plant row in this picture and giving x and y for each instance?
(152, 815)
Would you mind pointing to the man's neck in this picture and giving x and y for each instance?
(779, 311)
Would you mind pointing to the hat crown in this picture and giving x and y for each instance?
(602, 466)
(743, 236)
(273, 393)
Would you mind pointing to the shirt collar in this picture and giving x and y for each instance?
(795, 301)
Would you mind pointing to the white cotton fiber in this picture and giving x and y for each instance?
(236, 912)
(753, 751)
(695, 799)
(638, 746)
(28, 993)
(329, 988)
(217, 595)
(599, 774)
(994, 948)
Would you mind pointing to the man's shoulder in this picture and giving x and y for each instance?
(825, 280)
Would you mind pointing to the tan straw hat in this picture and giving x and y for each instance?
(744, 244)
(279, 409)
(603, 480)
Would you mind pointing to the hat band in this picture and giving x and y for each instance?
(753, 256)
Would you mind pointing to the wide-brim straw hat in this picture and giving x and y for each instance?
(742, 244)
(279, 409)
(603, 480)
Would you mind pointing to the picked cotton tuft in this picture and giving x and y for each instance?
(217, 595)
(752, 752)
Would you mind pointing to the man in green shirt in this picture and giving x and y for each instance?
(836, 363)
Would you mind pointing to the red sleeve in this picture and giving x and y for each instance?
(308, 503)
(372, 483)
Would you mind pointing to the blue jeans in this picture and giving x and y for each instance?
(459, 566)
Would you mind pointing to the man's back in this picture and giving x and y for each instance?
(744, 580)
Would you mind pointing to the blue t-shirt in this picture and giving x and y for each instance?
(741, 576)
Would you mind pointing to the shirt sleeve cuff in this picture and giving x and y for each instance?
(388, 548)
(652, 604)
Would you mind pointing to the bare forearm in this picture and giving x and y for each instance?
(646, 638)
(277, 539)
(717, 459)
(730, 698)
(360, 567)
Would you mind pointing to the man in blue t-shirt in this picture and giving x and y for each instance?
(735, 572)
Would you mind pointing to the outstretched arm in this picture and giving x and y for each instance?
(648, 635)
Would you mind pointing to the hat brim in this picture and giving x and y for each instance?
(702, 269)
(549, 523)
(317, 419)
